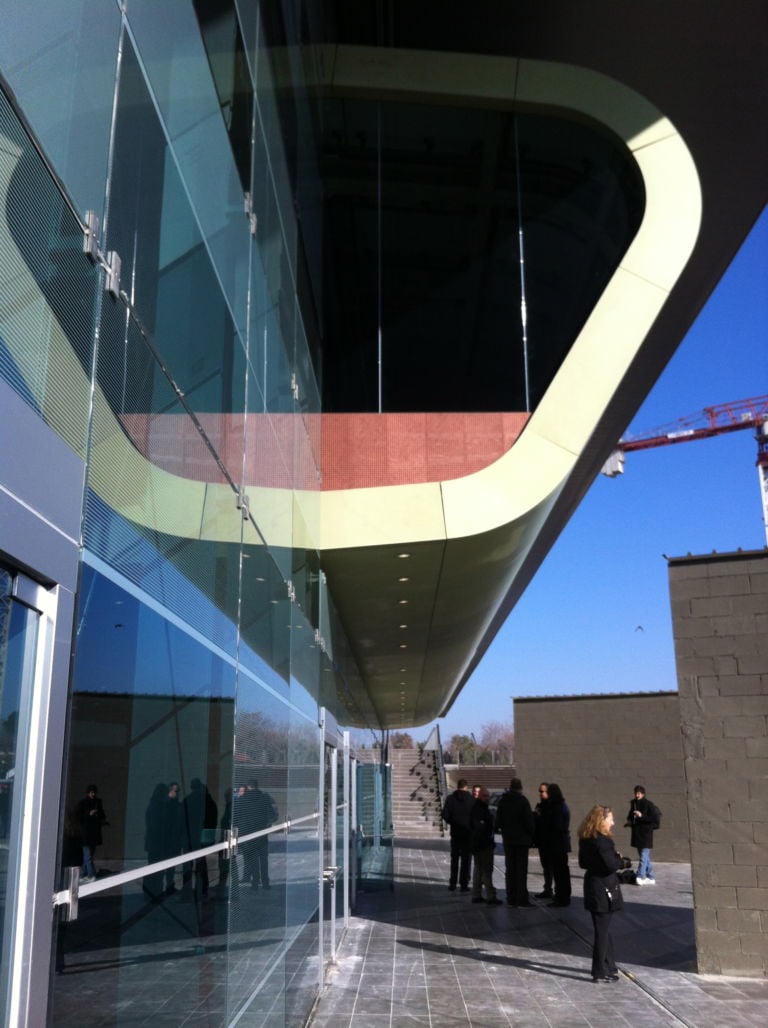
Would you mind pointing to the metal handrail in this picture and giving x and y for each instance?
(76, 891)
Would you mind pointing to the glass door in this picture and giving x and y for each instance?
(333, 844)
(22, 669)
(330, 870)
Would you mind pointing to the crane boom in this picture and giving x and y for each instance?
(711, 421)
(719, 419)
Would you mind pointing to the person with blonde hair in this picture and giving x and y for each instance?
(602, 892)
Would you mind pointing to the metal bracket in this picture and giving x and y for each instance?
(73, 891)
(253, 221)
(112, 267)
(231, 837)
(243, 504)
(91, 236)
(329, 875)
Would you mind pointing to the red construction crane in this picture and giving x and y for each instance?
(717, 420)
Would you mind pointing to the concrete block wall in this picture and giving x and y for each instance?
(597, 748)
(720, 619)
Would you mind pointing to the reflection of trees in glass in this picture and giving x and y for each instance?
(8, 732)
(265, 741)
(260, 739)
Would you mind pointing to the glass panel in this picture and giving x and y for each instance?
(303, 869)
(178, 67)
(70, 111)
(374, 817)
(149, 517)
(47, 289)
(330, 885)
(168, 268)
(18, 646)
(259, 874)
(225, 48)
(341, 850)
(152, 705)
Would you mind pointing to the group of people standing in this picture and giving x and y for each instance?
(473, 829)
(547, 827)
(173, 826)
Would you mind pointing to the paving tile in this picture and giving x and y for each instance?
(486, 967)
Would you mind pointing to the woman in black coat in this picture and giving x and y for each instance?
(602, 892)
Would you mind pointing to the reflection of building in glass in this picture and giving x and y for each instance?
(314, 329)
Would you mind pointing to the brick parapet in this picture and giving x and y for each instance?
(720, 617)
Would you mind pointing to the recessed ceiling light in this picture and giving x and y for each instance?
(402, 556)
(403, 670)
(403, 626)
(403, 579)
(403, 646)
(402, 602)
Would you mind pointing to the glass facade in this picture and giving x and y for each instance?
(202, 799)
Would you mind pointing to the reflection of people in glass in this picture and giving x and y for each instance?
(226, 825)
(254, 811)
(200, 814)
(164, 824)
(90, 817)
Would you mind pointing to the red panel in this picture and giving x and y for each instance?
(356, 450)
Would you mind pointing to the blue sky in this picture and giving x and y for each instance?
(576, 629)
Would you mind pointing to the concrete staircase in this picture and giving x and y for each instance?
(416, 795)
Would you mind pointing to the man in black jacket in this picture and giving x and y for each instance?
(483, 846)
(643, 818)
(456, 812)
(514, 819)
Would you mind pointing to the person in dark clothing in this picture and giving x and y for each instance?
(173, 834)
(482, 844)
(254, 811)
(544, 854)
(154, 817)
(643, 818)
(456, 813)
(555, 832)
(90, 816)
(200, 815)
(514, 820)
(163, 836)
(602, 892)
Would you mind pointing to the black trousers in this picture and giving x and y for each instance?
(461, 857)
(562, 875)
(545, 856)
(516, 875)
(256, 861)
(603, 962)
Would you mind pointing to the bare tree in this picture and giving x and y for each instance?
(401, 741)
(498, 737)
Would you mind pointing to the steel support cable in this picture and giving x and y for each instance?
(521, 258)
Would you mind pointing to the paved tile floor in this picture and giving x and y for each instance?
(421, 955)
